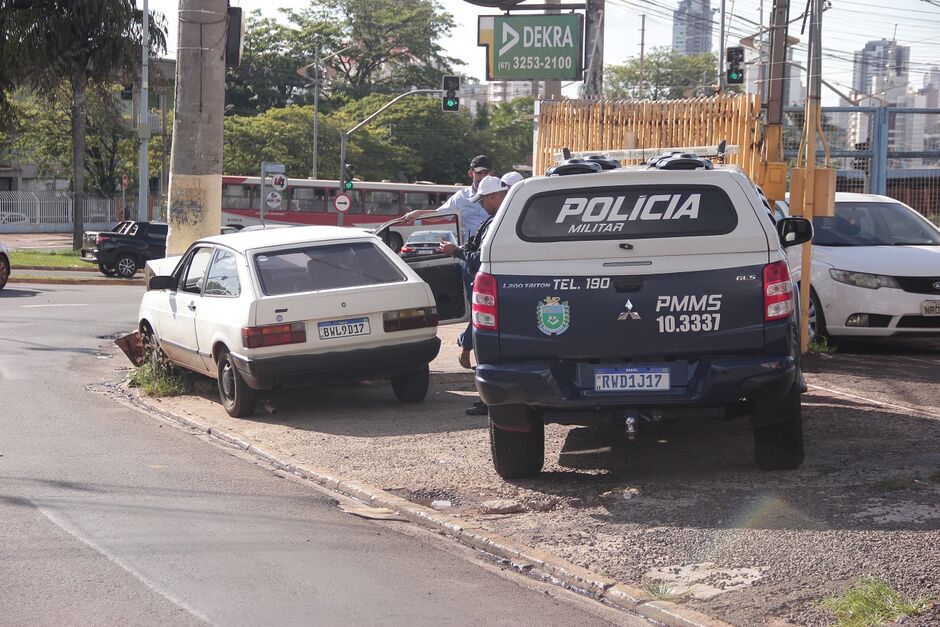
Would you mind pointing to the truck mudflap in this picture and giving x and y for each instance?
(703, 382)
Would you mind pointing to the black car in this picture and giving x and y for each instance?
(125, 250)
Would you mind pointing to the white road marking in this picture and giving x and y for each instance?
(874, 402)
(76, 533)
(59, 305)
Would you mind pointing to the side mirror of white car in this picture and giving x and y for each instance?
(161, 283)
(794, 231)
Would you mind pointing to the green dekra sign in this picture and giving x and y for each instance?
(533, 47)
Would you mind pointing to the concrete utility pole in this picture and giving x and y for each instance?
(642, 50)
(143, 122)
(552, 88)
(813, 89)
(195, 203)
(721, 50)
(594, 50)
(775, 90)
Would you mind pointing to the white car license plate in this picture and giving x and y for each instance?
(343, 328)
(930, 308)
(639, 379)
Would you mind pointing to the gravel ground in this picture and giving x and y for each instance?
(684, 506)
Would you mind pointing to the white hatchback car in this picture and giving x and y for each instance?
(4, 265)
(876, 270)
(293, 307)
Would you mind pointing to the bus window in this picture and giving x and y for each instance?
(308, 199)
(420, 200)
(385, 203)
(236, 196)
(354, 195)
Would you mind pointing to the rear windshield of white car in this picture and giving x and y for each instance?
(627, 212)
(324, 267)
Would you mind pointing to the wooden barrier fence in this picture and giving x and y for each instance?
(614, 125)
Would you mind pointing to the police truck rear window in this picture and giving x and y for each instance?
(627, 212)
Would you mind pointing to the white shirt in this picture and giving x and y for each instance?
(472, 214)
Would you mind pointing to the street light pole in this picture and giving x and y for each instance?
(143, 122)
(316, 111)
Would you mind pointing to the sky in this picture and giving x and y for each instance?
(847, 25)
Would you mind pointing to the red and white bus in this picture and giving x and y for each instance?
(310, 201)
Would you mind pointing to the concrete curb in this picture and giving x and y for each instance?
(56, 268)
(45, 280)
(536, 563)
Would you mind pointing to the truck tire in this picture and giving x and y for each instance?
(237, 398)
(517, 454)
(126, 266)
(412, 387)
(779, 444)
(106, 270)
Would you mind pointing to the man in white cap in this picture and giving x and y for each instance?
(471, 213)
(490, 194)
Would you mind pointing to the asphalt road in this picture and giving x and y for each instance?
(110, 516)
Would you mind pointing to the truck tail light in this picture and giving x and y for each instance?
(407, 319)
(274, 335)
(778, 291)
(483, 303)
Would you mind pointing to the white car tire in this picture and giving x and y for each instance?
(237, 398)
(412, 387)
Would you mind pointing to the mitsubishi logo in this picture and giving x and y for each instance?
(628, 313)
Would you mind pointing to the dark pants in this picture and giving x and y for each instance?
(465, 340)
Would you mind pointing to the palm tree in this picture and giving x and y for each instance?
(84, 42)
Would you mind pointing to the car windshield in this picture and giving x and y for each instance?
(874, 224)
(431, 237)
(311, 268)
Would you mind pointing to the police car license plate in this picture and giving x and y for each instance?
(343, 328)
(930, 308)
(638, 379)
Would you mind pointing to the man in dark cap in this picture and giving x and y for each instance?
(471, 212)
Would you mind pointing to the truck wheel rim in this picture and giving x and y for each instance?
(127, 266)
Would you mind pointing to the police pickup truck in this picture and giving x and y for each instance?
(613, 296)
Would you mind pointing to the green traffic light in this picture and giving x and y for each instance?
(451, 102)
(347, 185)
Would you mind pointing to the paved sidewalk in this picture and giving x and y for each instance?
(19, 241)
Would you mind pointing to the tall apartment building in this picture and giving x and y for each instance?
(881, 68)
(692, 27)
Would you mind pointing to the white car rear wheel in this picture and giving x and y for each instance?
(238, 399)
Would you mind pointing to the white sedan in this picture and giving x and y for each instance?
(292, 307)
(876, 270)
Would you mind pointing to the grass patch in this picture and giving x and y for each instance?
(821, 346)
(662, 591)
(54, 258)
(870, 602)
(155, 381)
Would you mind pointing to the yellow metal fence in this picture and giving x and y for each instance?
(587, 125)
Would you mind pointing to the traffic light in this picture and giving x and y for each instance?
(450, 101)
(347, 178)
(735, 57)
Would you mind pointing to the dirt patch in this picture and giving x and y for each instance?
(761, 547)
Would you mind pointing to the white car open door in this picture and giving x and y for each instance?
(443, 273)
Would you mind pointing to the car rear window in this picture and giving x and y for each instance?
(324, 267)
(627, 212)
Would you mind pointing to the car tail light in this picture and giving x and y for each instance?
(101, 238)
(274, 335)
(778, 291)
(407, 249)
(483, 303)
(407, 319)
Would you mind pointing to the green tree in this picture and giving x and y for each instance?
(507, 136)
(666, 75)
(86, 42)
(42, 136)
(394, 44)
(267, 75)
